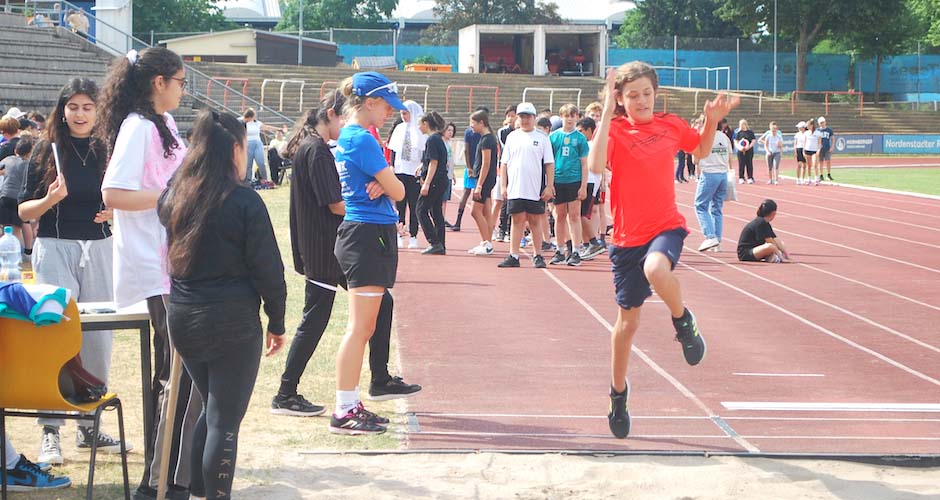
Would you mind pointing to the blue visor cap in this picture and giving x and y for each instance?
(372, 84)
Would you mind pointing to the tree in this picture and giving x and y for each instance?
(667, 18)
(927, 15)
(325, 14)
(457, 14)
(181, 16)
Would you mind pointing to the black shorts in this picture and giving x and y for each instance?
(808, 152)
(588, 203)
(630, 283)
(799, 156)
(746, 254)
(367, 253)
(566, 192)
(519, 206)
(486, 192)
(9, 212)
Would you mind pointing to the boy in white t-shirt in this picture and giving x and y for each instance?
(527, 171)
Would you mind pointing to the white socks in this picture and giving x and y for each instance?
(345, 401)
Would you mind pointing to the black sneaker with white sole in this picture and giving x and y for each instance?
(509, 261)
(392, 388)
(687, 334)
(355, 422)
(558, 258)
(574, 260)
(295, 405)
(372, 417)
(538, 262)
(106, 443)
(618, 418)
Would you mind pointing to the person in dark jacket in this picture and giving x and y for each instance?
(223, 262)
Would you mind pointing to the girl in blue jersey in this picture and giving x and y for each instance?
(365, 241)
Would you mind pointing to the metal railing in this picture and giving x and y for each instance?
(404, 91)
(280, 99)
(758, 94)
(861, 99)
(471, 88)
(551, 94)
(324, 85)
(224, 81)
(197, 78)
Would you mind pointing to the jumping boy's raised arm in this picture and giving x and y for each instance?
(597, 156)
(715, 110)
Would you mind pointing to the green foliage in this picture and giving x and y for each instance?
(180, 16)
(325, 14)
(457, 14)
(926, 13)
(665, 18)
(425, 59)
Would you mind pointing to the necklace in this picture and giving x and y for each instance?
(85, 159)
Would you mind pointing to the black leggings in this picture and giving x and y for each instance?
(746, 164)
(318, 305)
(412, 190)
(225, 383)
(431, 213)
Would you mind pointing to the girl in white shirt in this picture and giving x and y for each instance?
(255, 145)
(799, 143)
(809, 150)
(407, 145)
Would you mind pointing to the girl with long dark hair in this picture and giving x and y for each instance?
(484, 166)
(145, 150)
(223, 262)
(73, 248)
(434, 182)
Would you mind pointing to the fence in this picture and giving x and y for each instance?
(280, 98)
(676, 70)
(551, 94)
(224, 82)
(826, 95)
(471, 88)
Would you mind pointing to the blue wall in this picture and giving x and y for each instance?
(443, 54)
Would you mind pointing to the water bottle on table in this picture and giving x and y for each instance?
(11, 256)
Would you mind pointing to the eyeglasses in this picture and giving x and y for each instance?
(183, 81)
(392, 88)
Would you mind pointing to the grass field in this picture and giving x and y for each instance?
(264, 437)
(922, 180)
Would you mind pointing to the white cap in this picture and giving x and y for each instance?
(801, 125)
(526, 108)
(15, 113)
(822, 119)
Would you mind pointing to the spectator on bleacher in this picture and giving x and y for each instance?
(744, 140)
(432, 176)
(407, 144)
(10, 129)
(38, 21)
(73, 245)
(78, 22)
(135, 122)
(256, 146)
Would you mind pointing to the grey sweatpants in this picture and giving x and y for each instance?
(84, 267)
(12, 457)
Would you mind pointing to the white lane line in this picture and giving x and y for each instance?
(830, 305)
(746, 374)
(531, 416)
(838, 245)
(851, 438)
(808, 406)
(570, 435)
(842, 419)
(818, 327)
(652, 364)
(909, 194)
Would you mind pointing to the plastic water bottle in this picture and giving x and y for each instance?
(11, 256)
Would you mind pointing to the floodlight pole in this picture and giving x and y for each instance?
(775, 48)
(300, 36)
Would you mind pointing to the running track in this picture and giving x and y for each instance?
(838, 353)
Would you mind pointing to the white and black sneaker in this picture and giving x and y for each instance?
(593, 250)
(296, 406)
(355, 422)
(50, 448)
(392, 388)
(687, 334)
(106, 443)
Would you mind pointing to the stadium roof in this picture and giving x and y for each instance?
(575, 11)
(250, 10)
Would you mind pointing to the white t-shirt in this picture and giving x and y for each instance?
(718, 161)
(799, 140)
(254, 130)
(774, 142)
(523, 157)
(812, 141)
(592, 177)
(138, 164)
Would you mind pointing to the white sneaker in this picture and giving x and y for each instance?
(707, 244)
(483, 249)
(750, 181)
(716, 248)
(740, 181)
(413, 242)
(50, 447)
(401, 244)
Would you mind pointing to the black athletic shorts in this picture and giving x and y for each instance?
(566, 192)
(9, 212)
(808, 152)
(486, 192)
(799, 156)
(519, 206)
(630, 283)
(588, 202)
(367, 253)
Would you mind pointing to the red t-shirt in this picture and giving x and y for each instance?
(642, 187)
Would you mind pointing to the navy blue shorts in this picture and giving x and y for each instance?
(630, 283)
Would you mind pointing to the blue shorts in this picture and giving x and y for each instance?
(630, 283)
(469, 182)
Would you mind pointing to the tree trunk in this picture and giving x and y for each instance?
(801, 61)
(878, 59)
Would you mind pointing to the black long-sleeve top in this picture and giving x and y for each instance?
(236, 260)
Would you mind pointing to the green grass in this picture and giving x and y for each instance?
(916, 180)
(263, 438)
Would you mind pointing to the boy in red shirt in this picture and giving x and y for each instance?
(648, 233)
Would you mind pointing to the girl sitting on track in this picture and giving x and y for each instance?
(758, 241)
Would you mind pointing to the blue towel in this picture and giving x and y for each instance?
(40, 304)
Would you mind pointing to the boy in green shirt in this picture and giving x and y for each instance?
(571, 149)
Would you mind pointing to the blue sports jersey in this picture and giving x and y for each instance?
(358, 159)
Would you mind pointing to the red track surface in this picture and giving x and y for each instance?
(518, 358)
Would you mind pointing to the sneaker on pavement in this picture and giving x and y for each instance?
(482, 249)
(435, 249)
(716, 248)
(709, 243)
(687, 334)
(538, 262)
(740, 181)
(509, 261)
(750, 181)
(830, 177)
(618, 417)
(296, 406)
(547, 246)
(27, 476)
(574, 260)
(593, 250)
(413, 242)
(558, 258)
(378, 419)
(392, 388)
(354, 423)
(50, 448)
(106, 443)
